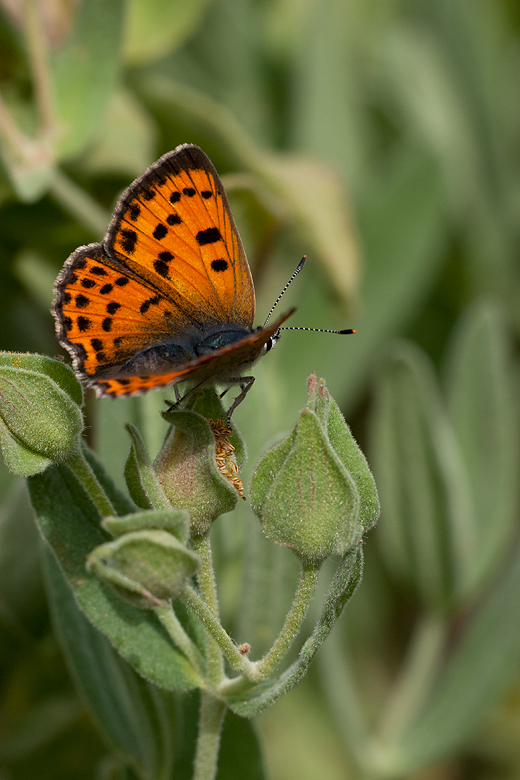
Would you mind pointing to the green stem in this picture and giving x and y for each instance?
(416, 677)
(78, 203)
(211, 719)
(239, 662)
(82, 469)
(171, 623)
(208, 592)
(293, 621)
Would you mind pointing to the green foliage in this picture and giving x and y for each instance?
(380, 139)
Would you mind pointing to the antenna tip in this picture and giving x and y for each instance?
(347, 331)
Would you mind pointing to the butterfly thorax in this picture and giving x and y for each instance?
(218, 338)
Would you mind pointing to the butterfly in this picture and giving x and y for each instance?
(168, 295)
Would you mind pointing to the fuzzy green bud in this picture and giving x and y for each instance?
(145, 568)
(314, 492)
(187, 469)
(40, 414)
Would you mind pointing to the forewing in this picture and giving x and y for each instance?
(174, 228)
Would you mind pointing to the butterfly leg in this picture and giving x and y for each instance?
(179, 399)
(246, 383)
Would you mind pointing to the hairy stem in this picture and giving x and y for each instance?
(293, 621)
(211, 719)
(170, 622)
(208, 592)
(82, 469)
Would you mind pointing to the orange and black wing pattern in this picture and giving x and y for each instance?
(170, 270)
(174, 228)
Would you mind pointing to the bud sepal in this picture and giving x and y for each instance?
(145, 568)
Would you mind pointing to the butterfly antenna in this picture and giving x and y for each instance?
(299, 268)
(323, 330)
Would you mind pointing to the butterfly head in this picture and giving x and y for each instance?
(273, 340)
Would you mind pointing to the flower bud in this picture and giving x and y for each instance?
(314, 492)
(40, 415)
(187, 469)
(144, 567)
(175, 521)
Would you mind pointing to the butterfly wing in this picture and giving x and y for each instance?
(171, 270)
(173, 227)
(228, 361)
(104, 314)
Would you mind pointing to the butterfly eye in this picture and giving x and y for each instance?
(271, 343)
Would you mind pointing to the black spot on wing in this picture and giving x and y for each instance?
(160, 231)
(161, 268)
(149, 302)
(82, 301)
(128, 240)
(219, 265)
(209, 236)
(134, 210)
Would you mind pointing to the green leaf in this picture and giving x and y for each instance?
(483, 410)
(154, 28)
(69, 521)
(325, 219)
(342, 588)
(125, 144)
(37, 728)
(426, 532)
(246, 762)
(141, 479)
(477, 669)
(123, 705)
(84, 72)
(23, 601)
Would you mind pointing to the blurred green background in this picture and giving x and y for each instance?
(382, 139)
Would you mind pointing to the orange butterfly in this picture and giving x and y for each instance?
(168, 295)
